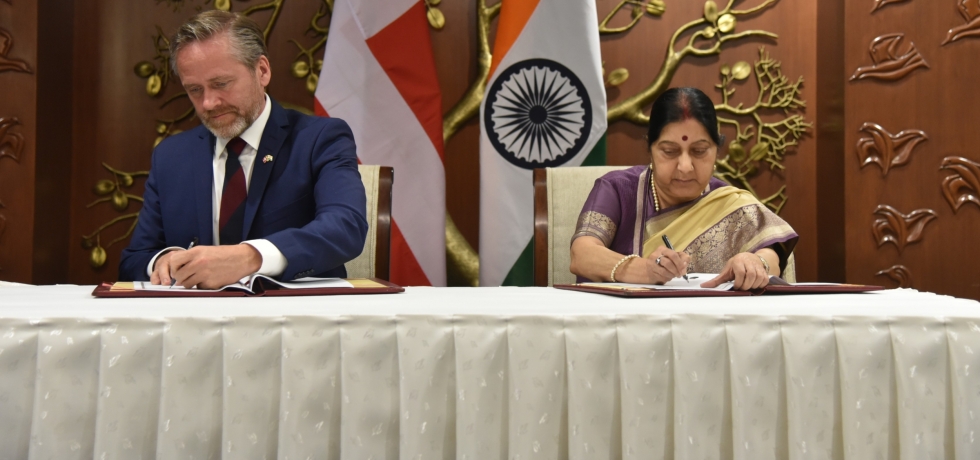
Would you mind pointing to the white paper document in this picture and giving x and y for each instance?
(693, 282)
(248, 284)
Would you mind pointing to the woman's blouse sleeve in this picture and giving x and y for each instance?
(600, 216)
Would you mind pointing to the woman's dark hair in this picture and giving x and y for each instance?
(679, 104)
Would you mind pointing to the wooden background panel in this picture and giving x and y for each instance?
(18, 96)
(938, 101)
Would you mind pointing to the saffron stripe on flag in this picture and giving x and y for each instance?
(513, 17)
(522, 273)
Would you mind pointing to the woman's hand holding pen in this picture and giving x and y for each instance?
(666, 264)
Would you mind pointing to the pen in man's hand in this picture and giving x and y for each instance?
(671, 247)
(173, 280)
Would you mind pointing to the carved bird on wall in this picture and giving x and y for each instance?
(891, 226)
(898, 273)
(11, 144)
(881, 3)
(886, 149)
(8, 64)
(964, 185)
(3, 221)
(970, 10)
(889, 62)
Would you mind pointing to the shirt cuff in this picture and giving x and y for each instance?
(273, 262)
(153, 261)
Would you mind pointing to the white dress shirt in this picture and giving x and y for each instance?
(273, 261)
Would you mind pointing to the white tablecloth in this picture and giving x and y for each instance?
(488, 373)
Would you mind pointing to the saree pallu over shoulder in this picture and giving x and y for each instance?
(723, 223)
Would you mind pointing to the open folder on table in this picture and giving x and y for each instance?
(679, 287)
(255, 285)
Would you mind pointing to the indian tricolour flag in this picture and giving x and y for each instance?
(545, 106)
(379, 76)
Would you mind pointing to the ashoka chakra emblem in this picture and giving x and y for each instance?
(537, 114)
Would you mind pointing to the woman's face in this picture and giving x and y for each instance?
(683, 159)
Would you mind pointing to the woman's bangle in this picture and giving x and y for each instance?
(764, 263)
(612, 274)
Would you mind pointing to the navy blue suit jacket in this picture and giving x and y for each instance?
(308, 201)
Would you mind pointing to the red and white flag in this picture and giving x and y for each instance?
(379, 76)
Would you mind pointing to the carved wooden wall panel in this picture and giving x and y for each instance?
(933, 181)
(18, 40)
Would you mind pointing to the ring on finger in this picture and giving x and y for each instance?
(658, 261)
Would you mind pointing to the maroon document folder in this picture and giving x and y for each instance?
(260, 287)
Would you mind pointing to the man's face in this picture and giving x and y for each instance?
(227, 95)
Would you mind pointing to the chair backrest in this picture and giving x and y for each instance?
(559, 194)
(376, 256)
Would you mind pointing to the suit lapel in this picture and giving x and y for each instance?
(272, 139)
(203, 170)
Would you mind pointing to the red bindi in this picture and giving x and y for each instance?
(684, 138)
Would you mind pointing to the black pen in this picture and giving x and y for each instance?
(173, 280)
(671, 247)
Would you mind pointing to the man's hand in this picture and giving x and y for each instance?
(161, 269)
(745, 270)
(210, 267)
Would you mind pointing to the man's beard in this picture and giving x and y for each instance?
(234, 128)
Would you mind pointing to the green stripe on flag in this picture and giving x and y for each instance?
(597, 157)
(522, 273)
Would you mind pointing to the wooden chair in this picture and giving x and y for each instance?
(559, 194)
(374, 261)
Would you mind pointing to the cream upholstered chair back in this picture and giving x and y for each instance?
(374, 259)
(559, 194)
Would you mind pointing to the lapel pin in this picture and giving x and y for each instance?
(267, 158)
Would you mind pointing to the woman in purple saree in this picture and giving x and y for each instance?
(713, 227)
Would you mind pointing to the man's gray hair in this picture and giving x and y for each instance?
(246, 37)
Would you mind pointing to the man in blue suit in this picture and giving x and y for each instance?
(257, 188)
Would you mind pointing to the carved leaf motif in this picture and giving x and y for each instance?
(900, 274)
(963, 185)
(11, 144)
(891, 226)
(890, 63)
(9, 64)
(881, 3)
(970, 10)
(886, 149)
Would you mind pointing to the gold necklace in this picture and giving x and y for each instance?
(656, 201)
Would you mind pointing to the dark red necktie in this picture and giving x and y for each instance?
(232, 217)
